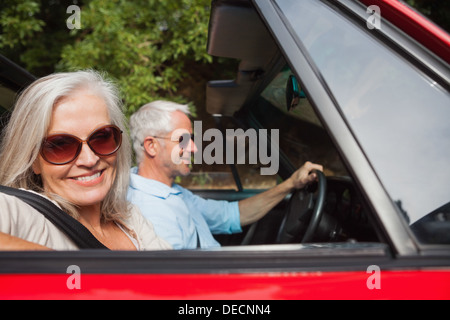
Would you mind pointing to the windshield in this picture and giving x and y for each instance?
(302, 137)
(399, 115)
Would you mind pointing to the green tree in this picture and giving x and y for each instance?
(144, 44)
(33, 33)
(19, 22)
(147, 46)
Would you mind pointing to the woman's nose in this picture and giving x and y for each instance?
(87, 157)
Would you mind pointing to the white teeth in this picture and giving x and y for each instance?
(88, 178)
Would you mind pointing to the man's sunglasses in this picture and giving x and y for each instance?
(63, 148)
(183, 140)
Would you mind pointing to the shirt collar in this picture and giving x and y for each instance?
(150, 186)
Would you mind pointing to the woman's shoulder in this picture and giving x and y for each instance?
(134, 216)
(16, 211)
(144, 231)
(23, 221)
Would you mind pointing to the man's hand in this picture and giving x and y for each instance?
(303, 176)
(254, 208)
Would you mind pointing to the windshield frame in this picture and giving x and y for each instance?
(396, 111)
(328, 110)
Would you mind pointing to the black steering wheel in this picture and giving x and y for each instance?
(303, 213)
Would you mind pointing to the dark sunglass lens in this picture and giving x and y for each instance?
(184, 140)
(60, 149)
(105, 141)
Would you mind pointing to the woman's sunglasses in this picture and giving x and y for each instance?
(63, 148)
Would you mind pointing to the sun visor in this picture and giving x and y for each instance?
(236, 31)
(225, 97)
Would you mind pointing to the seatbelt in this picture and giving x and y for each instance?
(77, 232)
(199, 245)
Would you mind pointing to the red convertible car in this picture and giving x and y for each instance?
(362, 87)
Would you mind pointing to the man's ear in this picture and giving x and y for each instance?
(150, 146)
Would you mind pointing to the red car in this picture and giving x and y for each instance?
(362, 87)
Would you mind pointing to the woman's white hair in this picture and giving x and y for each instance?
(28, 126)
(152, 119)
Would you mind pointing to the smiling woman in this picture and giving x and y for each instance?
(64, 141)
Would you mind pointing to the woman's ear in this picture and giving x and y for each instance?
(36, 167)
(150, 146)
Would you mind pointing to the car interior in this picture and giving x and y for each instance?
(343, 216)
(265, 94)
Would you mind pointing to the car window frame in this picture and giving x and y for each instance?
(414, 53)
(389, 216)
(409, 59)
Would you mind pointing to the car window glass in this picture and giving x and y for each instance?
(216, 173)
(302, 136)
(398, 114)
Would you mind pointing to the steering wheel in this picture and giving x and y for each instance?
(303, 213)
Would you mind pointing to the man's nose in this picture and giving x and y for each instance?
(192, 147)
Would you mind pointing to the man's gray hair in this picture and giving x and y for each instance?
(153, 119)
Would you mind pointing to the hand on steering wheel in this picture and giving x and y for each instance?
(303, 215)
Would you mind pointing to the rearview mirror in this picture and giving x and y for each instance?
(293, 93)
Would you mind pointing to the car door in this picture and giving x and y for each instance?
(390, 264)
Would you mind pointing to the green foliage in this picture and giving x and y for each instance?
(19, 22)
(33, 33)
(143, 44)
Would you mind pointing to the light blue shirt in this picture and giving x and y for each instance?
(178, 215)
